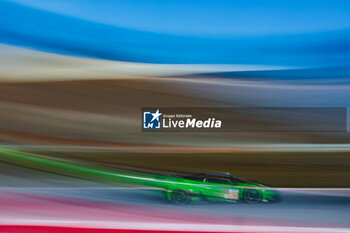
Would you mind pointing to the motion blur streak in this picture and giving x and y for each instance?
(75, 74)
(233, 229)
(45, 30)
(16, 65)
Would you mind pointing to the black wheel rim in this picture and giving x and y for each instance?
(180, 197)
(252, 196)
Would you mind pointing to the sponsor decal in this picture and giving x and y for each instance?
(232, 194)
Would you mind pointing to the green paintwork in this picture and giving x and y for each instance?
(196, 189)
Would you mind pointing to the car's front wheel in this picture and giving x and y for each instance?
(252, 196)
(180, 197)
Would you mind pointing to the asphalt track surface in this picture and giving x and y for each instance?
(53, 193)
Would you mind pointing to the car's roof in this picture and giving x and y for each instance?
(222, 175)
(208, 174)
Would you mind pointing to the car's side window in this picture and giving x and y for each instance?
(237, 180)
(234, 180)
(211, 180)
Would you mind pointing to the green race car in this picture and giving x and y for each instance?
(217, 186)
(180, 189)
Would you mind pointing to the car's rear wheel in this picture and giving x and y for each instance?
(180, 197)
(252, 196)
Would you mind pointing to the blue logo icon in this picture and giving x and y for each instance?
(151, 120)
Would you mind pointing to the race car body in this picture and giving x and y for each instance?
(218, 186)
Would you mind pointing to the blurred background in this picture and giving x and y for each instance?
(75, 74)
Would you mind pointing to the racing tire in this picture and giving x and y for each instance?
(180, 197)
(252, 196)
